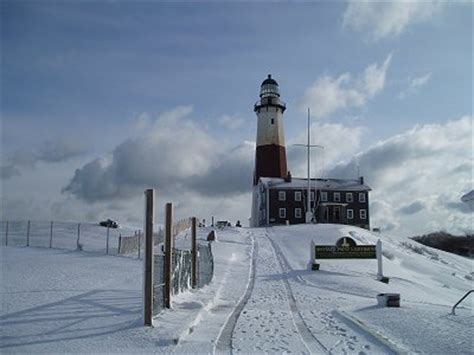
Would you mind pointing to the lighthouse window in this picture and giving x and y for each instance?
(273, 121)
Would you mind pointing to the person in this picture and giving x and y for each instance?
(238, 224)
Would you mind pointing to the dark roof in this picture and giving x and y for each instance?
(269, 80)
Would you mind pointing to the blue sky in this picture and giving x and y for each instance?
(80, 79)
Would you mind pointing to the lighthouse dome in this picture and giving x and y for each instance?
(269, 87)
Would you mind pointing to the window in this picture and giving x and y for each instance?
(297, 195)
(350, 214)
(324, 196)
(297, 212)
(349, 197)
(337, 197)
(281, 195)
(361, 197)
(273, 121)
(363, 214)
(312, 196)
(282, 212)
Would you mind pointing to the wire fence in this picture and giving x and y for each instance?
(88, 237)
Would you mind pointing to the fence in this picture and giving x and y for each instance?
(71, 236)
(178, 276)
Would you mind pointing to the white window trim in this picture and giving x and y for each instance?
(281, 195)
(363, 214)
(361, 197)
(298, 193)
(280, 214)
(298, 215)
(349, 197)
(324, 196)
(337, 196)
(350, 214)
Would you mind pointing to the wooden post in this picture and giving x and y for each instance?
(148, 282)
(168, 255)
(78, 235)
(139, 243)
(51, 235)
(194, 254)
(120, 243)
(6, 234)
(107, 241)
(28, 235)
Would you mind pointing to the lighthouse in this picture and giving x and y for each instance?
(270, 155)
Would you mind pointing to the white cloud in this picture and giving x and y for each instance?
(383, 19)
(52, 151)
(322, 161)
(175, 154)
(328, 95)
(418, 177)
(415, 84)
(231, 122)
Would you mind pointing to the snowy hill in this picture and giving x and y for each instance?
(263, 298)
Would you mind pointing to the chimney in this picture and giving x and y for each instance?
(288, 177)
(361, 180)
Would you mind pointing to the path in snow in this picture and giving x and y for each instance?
(267, 321)
(317, 309)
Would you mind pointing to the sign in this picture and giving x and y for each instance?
(346, 248)
(345, 252)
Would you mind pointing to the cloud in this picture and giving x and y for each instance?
(8, 171)
(328, 95)
(324, 134)
(175, 155)
(53, 151)
(412, 208)
(386, 19)
(415, 84)
(419, 168)
(231, 122)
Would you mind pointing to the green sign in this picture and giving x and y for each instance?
(345, 252)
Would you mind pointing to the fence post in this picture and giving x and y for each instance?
(78, 235)
(107, 242)
(168, 255)
(378, 249)
(139, 243)
(51, 235)
(28, 235)
(6, 235)
(194, 254)
(120, 243)
(148, 282)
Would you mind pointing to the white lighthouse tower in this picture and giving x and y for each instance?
(270, 154)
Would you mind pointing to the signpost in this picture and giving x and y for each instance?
(346, 248)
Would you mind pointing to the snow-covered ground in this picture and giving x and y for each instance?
(262, 298)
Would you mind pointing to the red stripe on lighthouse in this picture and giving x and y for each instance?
(270, 161)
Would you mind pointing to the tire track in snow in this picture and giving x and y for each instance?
(381, 343)
(224, 340)
(309, 339)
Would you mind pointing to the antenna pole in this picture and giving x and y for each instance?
(308, 199)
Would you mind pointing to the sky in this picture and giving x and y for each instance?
(103, 99)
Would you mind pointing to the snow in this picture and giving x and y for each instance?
(319, 184)
(263, 298)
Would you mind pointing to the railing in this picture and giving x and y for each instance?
(462, 299)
